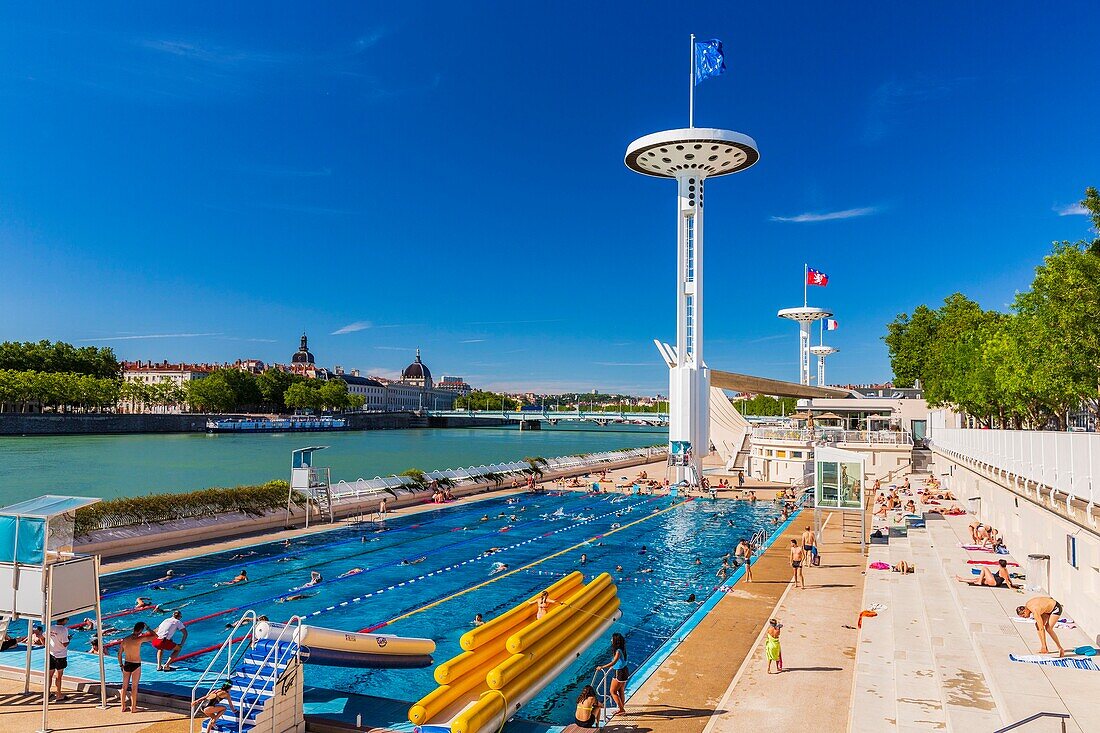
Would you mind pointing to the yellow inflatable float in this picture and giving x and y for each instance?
(510, 659)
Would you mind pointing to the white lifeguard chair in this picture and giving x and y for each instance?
(41, 578)
(313, 481)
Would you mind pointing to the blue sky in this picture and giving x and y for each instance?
(205, 182)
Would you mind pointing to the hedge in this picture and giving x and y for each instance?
(154, 508)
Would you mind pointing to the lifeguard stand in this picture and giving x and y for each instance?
(313, 481)
(41, 578)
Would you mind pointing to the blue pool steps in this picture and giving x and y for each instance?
(258, 669)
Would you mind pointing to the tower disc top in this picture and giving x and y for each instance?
(804, 314)
(704, 150)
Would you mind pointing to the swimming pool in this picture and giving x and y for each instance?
(426, 576)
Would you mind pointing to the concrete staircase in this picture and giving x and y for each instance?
(936, 657)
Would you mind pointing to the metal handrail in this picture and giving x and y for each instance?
(1036, 716)
(603, 695)
(291, 650)
(227, 646)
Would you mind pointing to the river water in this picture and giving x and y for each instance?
(108, 466)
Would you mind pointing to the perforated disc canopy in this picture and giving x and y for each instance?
(823, 350)
(804, 314)
(706, 151)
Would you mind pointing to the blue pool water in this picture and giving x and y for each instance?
(446, 550)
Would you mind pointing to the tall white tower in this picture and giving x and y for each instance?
(690, 156)
(804, 316)
(821, 352)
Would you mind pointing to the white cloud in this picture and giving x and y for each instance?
(382, 372)
(628, 363)
(1075, 209)
(394, 348)
(352, 328)
(472, 341)
(828, 215)
(151, 336)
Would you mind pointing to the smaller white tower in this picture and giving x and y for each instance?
(821, 352)
(805, 317)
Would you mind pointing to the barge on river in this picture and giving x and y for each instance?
(302, 423)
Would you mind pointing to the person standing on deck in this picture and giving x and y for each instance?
(772, 649)
(809, 543)
(744, 552)
(1046, 611)
(59, 654)
(164, 642)
(798, 556)
(129, 659)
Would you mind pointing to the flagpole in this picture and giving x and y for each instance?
(691, 82)
(805, 285)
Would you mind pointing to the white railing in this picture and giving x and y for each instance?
(379, 486)
(220, 668)
(1069, 463)
(829, 436)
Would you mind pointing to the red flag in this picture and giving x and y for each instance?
(813, 277)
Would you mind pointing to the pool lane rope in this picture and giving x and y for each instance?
(247, 563)
(225, 569)
(502, 576)
(395, 586)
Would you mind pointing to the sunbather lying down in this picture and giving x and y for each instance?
(903, 567)
(998, 579)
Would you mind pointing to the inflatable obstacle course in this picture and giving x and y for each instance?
(334, 648)
(510, 659)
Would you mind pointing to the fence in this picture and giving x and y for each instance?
(828, 436)
(1069, 463)
(379, 486)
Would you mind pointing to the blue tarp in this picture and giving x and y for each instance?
(23, 525)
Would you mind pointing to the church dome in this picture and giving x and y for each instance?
(417, 371)
(302, 355)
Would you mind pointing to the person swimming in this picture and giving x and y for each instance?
(348, 574)
(498, 567)
(242, 577)
(295, 597)
(314, 579)
(478, 620)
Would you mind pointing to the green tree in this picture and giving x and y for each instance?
(212, 393)
(765, 405)
(482, 400)
(273, 384)
(302, 396)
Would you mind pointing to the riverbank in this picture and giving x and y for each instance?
(50, 423)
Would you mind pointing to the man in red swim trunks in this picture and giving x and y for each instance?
(164, 642)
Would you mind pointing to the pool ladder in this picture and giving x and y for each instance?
(602, 682)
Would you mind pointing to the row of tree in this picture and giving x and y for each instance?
(764, 405)
(481, 400)
(58, 390)
(1022, 369)
(44, 356)
(231, 390)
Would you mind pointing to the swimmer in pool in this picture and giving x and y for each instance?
(242, 577)
(485, 518)
(288, 558)
(414, 562)
(642, 551)
(295, 597)
(498, 567)
(314, 579)
(168, 575)
(646, 570)
(353, 571)
(143, 602)
(478, 620)
(584, 559)
(618, 568)
(243, 555)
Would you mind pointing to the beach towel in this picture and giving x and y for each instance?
(992, 562)
(1069, 662)
(879, 566)
(863, 615)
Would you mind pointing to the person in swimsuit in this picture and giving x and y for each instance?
(129, 659)
(478, 619)
(314, 579)
(772, 649)
(353, 571)
(999, 579)
(242, 577)
(588, 708)
(798, 556)
(543, 604)
(809, 542)
(744, 552)
(621, 672)
(1046, 611)
(215, 703)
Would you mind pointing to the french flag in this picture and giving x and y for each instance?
(815, 277)
(831, 324)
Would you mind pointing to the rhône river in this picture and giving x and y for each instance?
(107, 466)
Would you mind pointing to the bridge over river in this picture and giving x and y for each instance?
(531, 418)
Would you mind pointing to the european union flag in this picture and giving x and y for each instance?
(709, 60)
